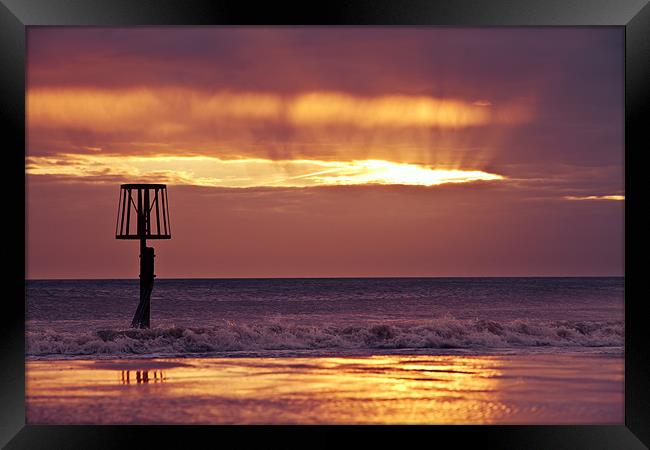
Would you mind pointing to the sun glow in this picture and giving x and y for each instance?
(386, 172)
(248, 172)
(596, 197)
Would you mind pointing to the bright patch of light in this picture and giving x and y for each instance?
(386, 172)
(247, 172)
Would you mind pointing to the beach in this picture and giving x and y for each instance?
(540, 388)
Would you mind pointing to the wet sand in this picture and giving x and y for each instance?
(385, 389)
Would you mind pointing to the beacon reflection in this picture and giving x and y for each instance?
(142, 376)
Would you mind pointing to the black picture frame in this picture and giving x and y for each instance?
(633, 15)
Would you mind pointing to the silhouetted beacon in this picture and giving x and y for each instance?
(143, 213)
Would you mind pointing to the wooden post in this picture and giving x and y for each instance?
(142, 316)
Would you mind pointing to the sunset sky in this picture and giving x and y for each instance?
(320, 152)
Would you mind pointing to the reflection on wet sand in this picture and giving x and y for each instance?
(142, 376)
(371, 389)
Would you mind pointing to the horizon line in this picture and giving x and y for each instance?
(330, 277)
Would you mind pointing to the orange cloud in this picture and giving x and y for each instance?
(595, 197)
(177, 110)
(324, 108)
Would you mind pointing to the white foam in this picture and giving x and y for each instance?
(442, 333)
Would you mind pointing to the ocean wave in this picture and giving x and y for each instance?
(442, 333)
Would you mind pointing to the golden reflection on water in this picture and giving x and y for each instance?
(375, 389)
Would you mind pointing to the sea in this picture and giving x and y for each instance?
(90, 319)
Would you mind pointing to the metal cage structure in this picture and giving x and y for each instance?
(143, 212)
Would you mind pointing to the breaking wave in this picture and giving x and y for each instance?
(442, 333)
